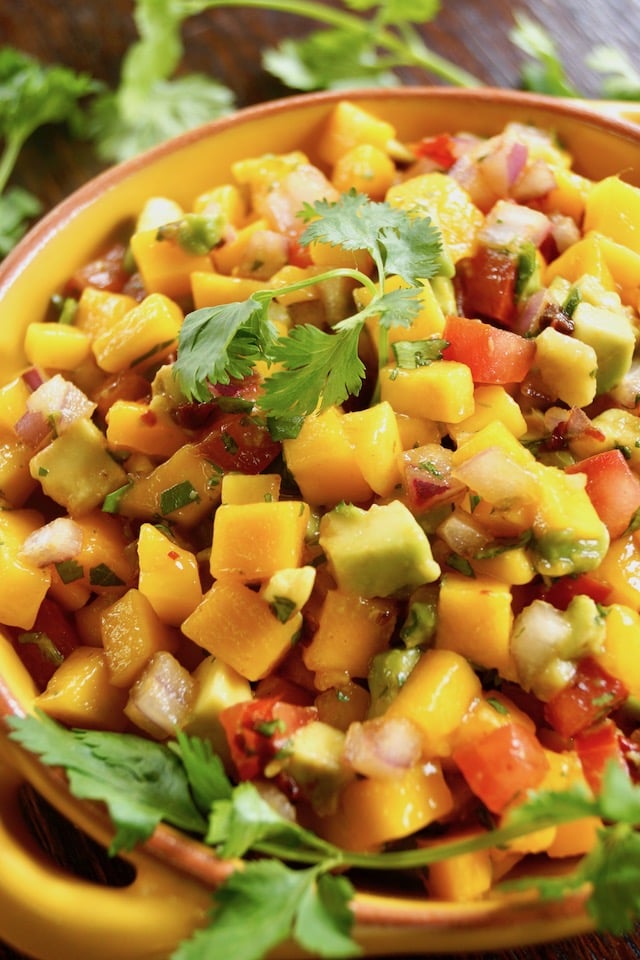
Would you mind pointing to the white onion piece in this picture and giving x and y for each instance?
(508, 224)
(59, 540)
(383, 747)
(60, 400)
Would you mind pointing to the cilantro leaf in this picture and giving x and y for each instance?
(393, 11)
(141, 782)
(328, 59)
(258, 907)
(216, 344)
(413, 249)
(204, 769)
(324, 919)
(319, 368)
(246, 821)
(17, 208)
(122, 123)
(545, 72)
(621, 80)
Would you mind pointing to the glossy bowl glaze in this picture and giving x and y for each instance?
(175, 875)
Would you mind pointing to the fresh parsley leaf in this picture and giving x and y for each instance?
(17, 208)
(267, 903)
(141, 782)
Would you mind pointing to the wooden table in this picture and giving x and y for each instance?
(92, 36)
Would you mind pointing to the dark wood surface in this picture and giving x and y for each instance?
(92, 35)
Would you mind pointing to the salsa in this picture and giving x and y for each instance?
(339, 471)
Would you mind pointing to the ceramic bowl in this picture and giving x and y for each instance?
(174, 876)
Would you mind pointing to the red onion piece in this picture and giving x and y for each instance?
(59, 540)
(383, 747)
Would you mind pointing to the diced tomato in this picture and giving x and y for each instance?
(503, 764)
(562, 591)
(239, 441)
(51, 639)
(492, 355)
(613, 488)
(440, 149)
(257, 730)
(592, 695)
(489, 285)
(299, 255)
(126, 385)
(598, 747)
(106, 273)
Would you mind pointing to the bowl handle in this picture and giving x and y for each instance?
(53, 915)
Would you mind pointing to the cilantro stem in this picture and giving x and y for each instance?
(408, 47)
(272, 293)
(414, 858)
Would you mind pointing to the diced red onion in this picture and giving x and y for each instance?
(283, 203)
(33, 378)
(462, 535)
(626, 393)
(564, 230)
(535, 181)
(59, 540)
(383, 747)
(62, 400)
(502, 166)
(508, 224)
(32, 428)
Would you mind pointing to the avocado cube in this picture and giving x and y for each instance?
(76, 469)
(612, 337)
(379, 552)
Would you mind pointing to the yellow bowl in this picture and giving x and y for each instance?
(174, 875)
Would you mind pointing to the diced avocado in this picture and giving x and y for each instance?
(314, 760)
(388, 674)
(379, 552)
(620, 429)
(612, 337)
(547, 642)
(419, 625)
(76, 469)
(288, 590)
(568, 367)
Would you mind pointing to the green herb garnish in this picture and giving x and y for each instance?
(319, 368)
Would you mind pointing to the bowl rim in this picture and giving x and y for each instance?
(584, 111)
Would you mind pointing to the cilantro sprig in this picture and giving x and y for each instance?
(31, 95)
(297, 887)
(316, 368)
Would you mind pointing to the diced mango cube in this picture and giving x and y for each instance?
(166, 267)
(169, 576)
(436, 696)
(254, 540)
(375, 436)
(475, 619)
(236, 624)
(351, 630)
(80, 693)
(23, 584)
(442, 390)
(147, 332)
(131, 633)
(56, 346)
